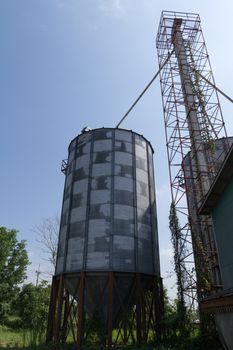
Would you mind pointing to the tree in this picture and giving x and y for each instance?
(47, 233)
(13, 265)
(33, 307)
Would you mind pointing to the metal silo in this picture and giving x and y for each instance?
(108, 254)
(201, 226)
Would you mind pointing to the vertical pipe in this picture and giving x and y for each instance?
(199, 159)
(190, 107)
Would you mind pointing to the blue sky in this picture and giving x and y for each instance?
(66, 64)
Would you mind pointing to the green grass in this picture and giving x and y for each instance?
(24, 339)
(13, 338)
(19, 339)
(16, 339)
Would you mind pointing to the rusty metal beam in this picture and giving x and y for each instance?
(52, 310)
(138, 309)
(59, 309)
(138, 317)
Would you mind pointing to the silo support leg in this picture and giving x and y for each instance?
(52, 310)
(144, 335)
(68, 318)
(81, 310)
(58, 314)
(158, 307)
(65, 317)
(125, 339)
(110, 308)
(138, 309)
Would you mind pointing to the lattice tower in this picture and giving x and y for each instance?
(196, 143)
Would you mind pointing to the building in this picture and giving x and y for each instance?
(219, 204)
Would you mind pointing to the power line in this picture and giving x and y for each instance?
(143, 92)
(153, 79)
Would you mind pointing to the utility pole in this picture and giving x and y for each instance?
(38, 273)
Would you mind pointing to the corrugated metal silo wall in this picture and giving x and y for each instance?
(108, 218)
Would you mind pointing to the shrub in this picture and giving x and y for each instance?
(33, 306)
